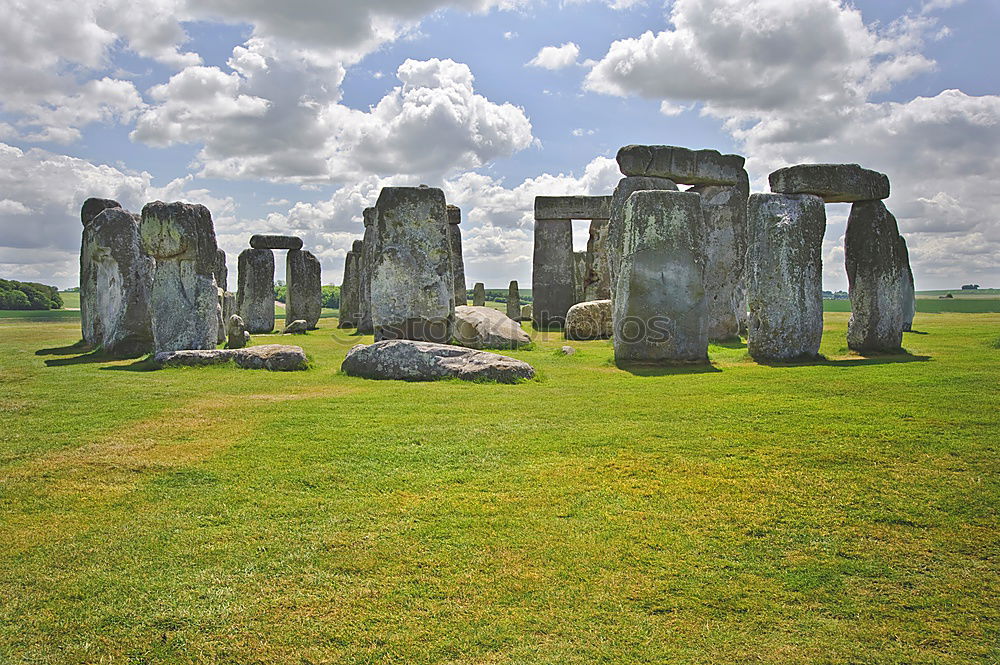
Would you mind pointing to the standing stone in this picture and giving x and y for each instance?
(220, 316)
(579, 276)
(350, 292)
(552, 283)
(183, 298)
(255, 294)
(513, 301)
(875, 276)
(228, 305)
(457, 262)
(785, 275)
(88, 278)
(908, 295)
(526, 312)
(304, 282)
(597, 285)
(725, 212)
(221, 271)
(660, 313)
(626, 187)
(479, 295)
(413, 289)
(365, 273)
(120, 277)
(237, 335)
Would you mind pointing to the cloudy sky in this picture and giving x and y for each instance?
(288, 117)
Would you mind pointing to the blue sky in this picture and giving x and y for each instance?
(289, 117)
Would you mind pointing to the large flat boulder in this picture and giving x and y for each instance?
(834, 183)
(682, 165)
(487, 328)
(274, 357)
(408, 360)
(589, 320)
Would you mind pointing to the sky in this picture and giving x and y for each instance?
(289, 117)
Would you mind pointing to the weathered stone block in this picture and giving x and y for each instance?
(457, 261)
(237, 335)
(479, 295)
(785, 275)
(589, 320)
(683, 165)
(834, 183)
(513, 301)
(255, 294)
(274, 357)
(597, 285)
(875, 275)
(908, 295)
(261, 241)
(626, 187)
(221, 271)
(660, 312)
(579, 276)
(424, 361)
(350, 292)
(572, 207)
(487, 328)
(304, 282)
(552, 279)
(365, 274)
(88, 314)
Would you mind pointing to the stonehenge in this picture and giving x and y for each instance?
(625, 188)
(91, 208)
(260, 241)
(180, 237)
(487, 328)
(303, 281)
(365, 275)
(681, 165)
(513, 301)
(409, 360)
(834, 183)
(350, 293)
(255, 290)
(589, 320)
(457, 262)
(597, 280)
(221, 271)
(479, 295)
(237, 335)
(876, 278)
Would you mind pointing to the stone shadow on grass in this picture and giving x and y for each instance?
(142, 365)
(79, 347)
(857, 361)
(651, 369)
(85, 359)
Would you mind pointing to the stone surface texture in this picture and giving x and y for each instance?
(237, 335)
(221, 271)
(457, 261)
(350, 293)
(261, 241)
(876, 279)
(553, 287)
(487, 328)
(589, 320)
(513, 301)
(597, 284)
(255, 290)
(579, 276)
(834, 183)
(183, 297)
(304, 281)
(274, 357)
(908, 295)
(625, 188)
(90, 209)
(683, 165)
(785, 275)
(413, 293)
(526, 311)
(572, 207)
(365, 274)
(425, 361)
(297, 327)
(660, 311)
(479, 295)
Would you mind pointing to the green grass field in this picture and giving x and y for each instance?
(843, 511)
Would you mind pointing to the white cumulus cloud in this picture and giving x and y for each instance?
(556, 57)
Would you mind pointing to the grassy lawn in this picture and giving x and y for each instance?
(934, 305)
(843, 511)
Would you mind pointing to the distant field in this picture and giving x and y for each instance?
(71, 300)
(959, 293)
(933, 305)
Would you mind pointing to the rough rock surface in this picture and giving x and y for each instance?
(526, 312)
(597, 285)
(479, 295)
(785, 275)
(297, 327)
(572, 207)
(875, 275)
(413, 294)
(255, 294)
(350, 293)
(906, 289)
(90, 209)
(589, 320)
(220, 315)
(260, 241)
(553, 286)
(183, 297)
(626, 187)
(725, 213)
(487, 328)
(425, 361)
(683, 165)
(304, 281)
(221, 271)
(457, 261)
(834, 183)
(513, 301)
(274, 357)
(237, 335)
(567, 351)
(579, 276)
(365, 274)
(119, 279)
(228, 305)
(660, 311)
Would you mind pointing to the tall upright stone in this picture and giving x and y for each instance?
(579, 276)
(479, 295)
(350, 292)
(304, 283)
(513, 301)
(183, 296)
(365, 273)
(785, 275)
(660, 313)
(553, 287)
(255, 290)
(413, 288)
(908, 294)
(457, 262)
(121, 277)
(220, 315)
(597, 285)
(875, 275)
(90, 209)
(221, 271)
(626, 187)
(725, 211)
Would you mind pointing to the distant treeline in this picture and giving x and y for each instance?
(28, 295)
(331, 295)
(500, 295)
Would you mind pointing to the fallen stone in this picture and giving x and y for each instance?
(567, 351)
(513, 301)
(875, 276)
(589, 320)
(304, 287)
(237, 335)
(487, 328)
(785, 275)
(572, 207)
(184, 297)
(479, 295)
(660, 312)
(626, 187)
(834, 183)
(682, 165)
(299, 327)
(260, 241)
(255, 294)
(425, 361)
(553, 286)
(274, 357)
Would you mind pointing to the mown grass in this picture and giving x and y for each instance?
(933, 306)
(843, 511)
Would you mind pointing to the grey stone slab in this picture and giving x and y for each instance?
(681, 165)
(513, 301)
(625, 188)
(255, 290)
(572, 207)
(553, 287)
(262, 241)
(834, 183)
(304, 288)
(274, 357)
(408, 360)
(876, 278)
(589, 320)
